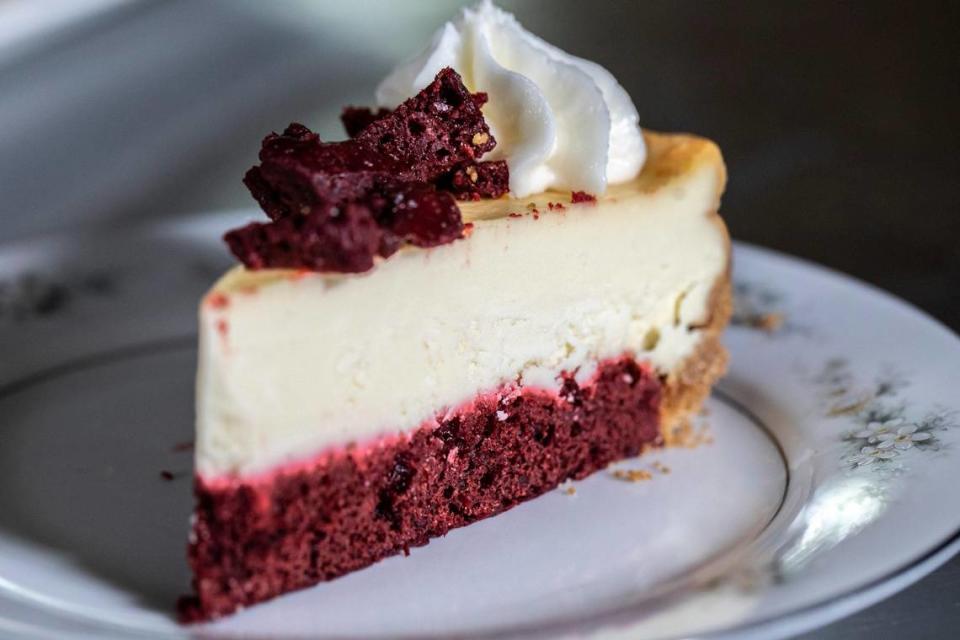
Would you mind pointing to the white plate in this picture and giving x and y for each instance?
(825, 481)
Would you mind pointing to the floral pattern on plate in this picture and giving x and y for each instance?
(889, 429)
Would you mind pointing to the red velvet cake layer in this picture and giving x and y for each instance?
(254, 541)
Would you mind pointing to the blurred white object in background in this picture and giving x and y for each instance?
(114, 110)
(26, 23)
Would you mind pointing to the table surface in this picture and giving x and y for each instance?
(838, 123)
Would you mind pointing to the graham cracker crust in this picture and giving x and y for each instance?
(685, 390)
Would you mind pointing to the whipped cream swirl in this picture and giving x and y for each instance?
(561, 122)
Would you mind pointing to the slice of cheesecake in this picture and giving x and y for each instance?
(346, 417)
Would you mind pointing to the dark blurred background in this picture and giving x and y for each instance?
(838, 122)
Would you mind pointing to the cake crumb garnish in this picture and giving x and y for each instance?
(181, 447)
(341, 206)
(218, 300)
(632, 475)
(299, 274)
(686, 436)
(769, 322)
(582, 196)
(571, 490)
(661, 468)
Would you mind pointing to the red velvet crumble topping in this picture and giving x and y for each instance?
(356, 119)
(474, 181)
(468, 180)
(336, 206)
(582, 196)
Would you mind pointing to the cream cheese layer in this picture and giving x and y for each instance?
(294, 363)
